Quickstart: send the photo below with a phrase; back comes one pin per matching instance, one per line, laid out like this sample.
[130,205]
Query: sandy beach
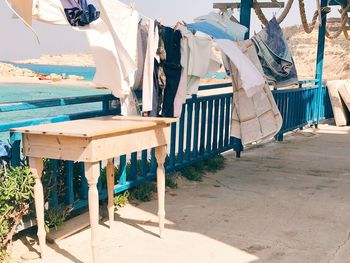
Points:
[12,74]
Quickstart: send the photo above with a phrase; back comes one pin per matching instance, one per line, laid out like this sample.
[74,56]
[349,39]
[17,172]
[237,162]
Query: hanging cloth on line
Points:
[275,56]
[197,59]
[254,118]
[224,22]
[80,13]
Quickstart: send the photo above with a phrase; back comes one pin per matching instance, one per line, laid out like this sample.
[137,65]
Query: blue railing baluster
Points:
[196,129]
[203,126]
[179,159]
[227,120]
[53,201]
[144,162]
[84,184]
[189,131]
[69,178]
[216,124]
[122,170]
[210,125]
[222,120]
[172,156]
[133,170]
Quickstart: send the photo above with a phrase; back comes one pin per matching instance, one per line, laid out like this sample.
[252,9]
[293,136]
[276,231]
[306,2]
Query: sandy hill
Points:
[304,48]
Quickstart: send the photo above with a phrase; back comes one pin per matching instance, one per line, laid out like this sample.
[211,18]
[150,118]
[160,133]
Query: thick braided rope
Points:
[259,13]
[344,21]
[308,28]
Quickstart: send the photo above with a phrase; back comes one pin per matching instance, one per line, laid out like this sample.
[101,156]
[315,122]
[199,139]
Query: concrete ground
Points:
[281,202]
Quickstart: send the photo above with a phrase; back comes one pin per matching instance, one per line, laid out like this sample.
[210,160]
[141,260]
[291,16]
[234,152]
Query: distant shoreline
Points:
[36,81]
[78,60]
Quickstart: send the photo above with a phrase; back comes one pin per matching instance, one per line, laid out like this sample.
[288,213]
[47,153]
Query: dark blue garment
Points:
[5,151]
[275,56]
[172,67]
[80,13]
[210,30]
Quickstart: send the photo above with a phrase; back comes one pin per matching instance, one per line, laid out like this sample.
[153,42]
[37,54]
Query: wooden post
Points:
[36,167]
[160,153]
[320,57]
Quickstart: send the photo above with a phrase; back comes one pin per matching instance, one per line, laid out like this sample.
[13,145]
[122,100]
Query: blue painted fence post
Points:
[320,57]
[15,141]
[245,17]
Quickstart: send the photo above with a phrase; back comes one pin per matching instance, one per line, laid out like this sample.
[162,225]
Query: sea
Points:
[10,93]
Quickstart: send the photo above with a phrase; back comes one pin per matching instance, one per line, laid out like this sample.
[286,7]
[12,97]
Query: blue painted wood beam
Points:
[338,2]
[320,54]
[245,15]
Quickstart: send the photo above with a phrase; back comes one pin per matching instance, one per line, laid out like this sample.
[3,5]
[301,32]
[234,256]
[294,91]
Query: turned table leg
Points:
[160,153]
[36,167]
[92,172]
[110,189]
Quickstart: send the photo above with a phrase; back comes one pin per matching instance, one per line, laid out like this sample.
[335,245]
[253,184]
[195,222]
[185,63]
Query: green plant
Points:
[144,192]
[215,164]
[55,217]
[16,195]
[122,199]
[170,181]
[195,172]
[192,174]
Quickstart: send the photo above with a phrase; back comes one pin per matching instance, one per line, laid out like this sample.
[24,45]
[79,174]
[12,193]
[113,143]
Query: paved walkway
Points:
[281,202]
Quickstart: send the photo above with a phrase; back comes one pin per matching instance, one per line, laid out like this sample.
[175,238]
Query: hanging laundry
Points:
[142,37]
[23,8]
[254,118]
[252,81]
[275,56]
[49,11]
[171,66]
[148,72]
[197,59]
[223,21]
[210,30]
[80,13]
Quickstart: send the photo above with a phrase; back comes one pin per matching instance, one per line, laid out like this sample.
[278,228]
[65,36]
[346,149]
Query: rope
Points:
[342,28]
[259,13]
[308,27]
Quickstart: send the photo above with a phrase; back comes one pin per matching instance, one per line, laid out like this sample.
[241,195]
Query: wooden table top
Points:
[93,127]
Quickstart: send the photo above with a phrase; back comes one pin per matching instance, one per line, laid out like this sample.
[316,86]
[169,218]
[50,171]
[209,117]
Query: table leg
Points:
[36,167]
[160,153]
[110,189]
[92,172]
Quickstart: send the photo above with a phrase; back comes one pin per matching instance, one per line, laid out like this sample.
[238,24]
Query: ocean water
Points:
[86,72]
[28,92]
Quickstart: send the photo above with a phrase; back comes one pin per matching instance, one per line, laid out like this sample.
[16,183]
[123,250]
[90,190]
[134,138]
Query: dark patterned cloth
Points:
[80,12]
[275,56]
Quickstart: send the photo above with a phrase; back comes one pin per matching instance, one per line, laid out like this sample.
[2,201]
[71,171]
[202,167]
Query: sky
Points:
[18,42]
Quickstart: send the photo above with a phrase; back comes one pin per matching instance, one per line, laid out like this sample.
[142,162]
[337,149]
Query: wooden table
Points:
[90,141]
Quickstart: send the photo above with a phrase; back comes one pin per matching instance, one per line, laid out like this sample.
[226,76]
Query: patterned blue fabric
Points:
[210,30]
[275,56]
[5,151]
[80,13]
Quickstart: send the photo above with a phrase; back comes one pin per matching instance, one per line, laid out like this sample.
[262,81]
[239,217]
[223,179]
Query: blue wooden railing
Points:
[202,131]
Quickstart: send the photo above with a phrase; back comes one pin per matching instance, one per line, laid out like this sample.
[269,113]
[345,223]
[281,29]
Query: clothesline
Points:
[167,63]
